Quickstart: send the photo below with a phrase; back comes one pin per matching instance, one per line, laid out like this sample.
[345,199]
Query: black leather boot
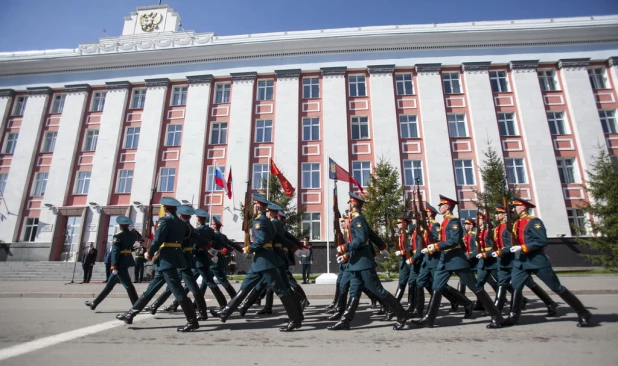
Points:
[171,308]
[395,306]
[335,300]
[200,302]
[232,305]
[419,303]
[189,310]
[492,283]
[496,318]
[549,303]
[128,316]
[583,315]
[304,302]
[411,299]
[91,305]
[460,299]
[447,293]
[347,317]
[268,306]
[229,289]
[515,312]
[293,312]
[382,310]
[152,308]
[340,307]
[432,311]
[461,287]
[500,298]
[216,292]
[244,307]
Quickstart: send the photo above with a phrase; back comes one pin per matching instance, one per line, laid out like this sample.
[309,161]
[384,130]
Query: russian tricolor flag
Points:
[220,181]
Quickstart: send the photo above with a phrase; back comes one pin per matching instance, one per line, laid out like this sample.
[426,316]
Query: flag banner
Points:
[338,173]
[285,184]
[229,184]
[219,180]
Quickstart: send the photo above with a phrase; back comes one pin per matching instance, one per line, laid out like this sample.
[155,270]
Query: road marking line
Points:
[38,344]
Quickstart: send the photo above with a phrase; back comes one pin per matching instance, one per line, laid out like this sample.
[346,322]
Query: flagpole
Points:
[268,180]
[211,192]
[328,224]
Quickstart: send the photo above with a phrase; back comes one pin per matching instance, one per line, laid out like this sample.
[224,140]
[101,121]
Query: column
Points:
[6,96]
[612,68]
[286,125]
[539,148]
[384,115]
[335,127]
[190,170]
[60,172]
[436,142]
[23,160]
[239,144]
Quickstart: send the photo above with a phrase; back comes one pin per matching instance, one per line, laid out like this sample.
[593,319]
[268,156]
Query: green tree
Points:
[603,208]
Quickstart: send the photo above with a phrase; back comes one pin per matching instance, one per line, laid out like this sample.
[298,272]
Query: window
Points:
[404,84]
[58,103]
[556,123]
[566,170]
[131,140]
[83,183]
[311,224]
[361,171]
[166,179]
[125,181]
[499,82]
[20,106]
[98,102]
[218,133]
[264,130]
[174,132]
[11,141]
[265,89]
[515,171]
[112,228]
[3,178]
[260,175]
[50,141]
[311,88]
[608,121]
[92,136]
[30,228]
[311,129]
[467,214]
[451,83]
[506,124]
[577,221]
[547,79]
[412,170]
[408,126]
[179,95]
[40,183]
[360,128]
[222,93]
[464,173]
[597,78]
[356,83]
[311,176]
[457,125]
[138,99]
[210,179]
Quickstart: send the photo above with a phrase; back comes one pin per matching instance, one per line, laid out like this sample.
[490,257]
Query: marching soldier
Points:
[223,245]
[470,243]
[416,295]
[404,252]
[487,265]
[338,305]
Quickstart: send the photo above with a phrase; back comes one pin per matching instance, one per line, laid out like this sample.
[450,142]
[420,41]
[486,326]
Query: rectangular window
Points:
[131,140]
[58,103]
[557,126]
[457,125]
[3,178]
[356,83]
[210,178]
[266,89]
[311,176]
[31,224]
[467,214]
[222,93]
[361,171]
[506,124]
[260,176]
[50,141]
[567,171]
[166,179]
[311,129]
[597,78]
[405,86]
[92,136]
[82,183]
[408,126]
[264,130]
[10,143]
[451,83]
[515,171]
[464,173]
[174,133]
[413,170]
[20,106]
[138,98]
[547,79]
[360,128]
[577,221]
[311,225]
[608,121]
[499,81]
[311,88]
[40,184]
[179,95]
[98,101]
[125,181]
[218,133]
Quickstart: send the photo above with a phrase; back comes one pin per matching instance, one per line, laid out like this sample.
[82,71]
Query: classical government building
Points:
[88,132]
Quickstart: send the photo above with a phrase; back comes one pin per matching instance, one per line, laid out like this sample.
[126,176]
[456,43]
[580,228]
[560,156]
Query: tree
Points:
[603,208]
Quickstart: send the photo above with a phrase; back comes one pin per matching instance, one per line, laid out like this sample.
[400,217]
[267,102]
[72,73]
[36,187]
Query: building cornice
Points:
[200,79]
[77,88]
[428,68]
[612,61]
[524,65]
[39,91]
[475,67]
[381,69]
[287,74]
[244,77]
[338,71]
[118,85]
[7,93]
[157,83]
[573,63]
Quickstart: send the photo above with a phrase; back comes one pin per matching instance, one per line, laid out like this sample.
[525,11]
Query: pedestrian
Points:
[139,250]
[88,259]
[108,261]
[306,259]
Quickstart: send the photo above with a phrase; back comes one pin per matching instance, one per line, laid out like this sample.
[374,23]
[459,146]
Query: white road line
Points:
[38,344]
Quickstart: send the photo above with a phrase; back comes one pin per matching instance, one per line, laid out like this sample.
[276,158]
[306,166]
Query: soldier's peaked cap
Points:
[518,201]
[258,198]
[123,220]
[402,218]
[169,201]
[470,222]
[500,209]
[430,208]
[274,207]
[216,221]
[185,210]
[202,213]
[282,214]
[447,201]
[356,197]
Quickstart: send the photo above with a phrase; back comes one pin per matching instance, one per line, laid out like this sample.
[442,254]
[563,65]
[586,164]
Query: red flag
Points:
[285,184]
[338,173]
[229,184]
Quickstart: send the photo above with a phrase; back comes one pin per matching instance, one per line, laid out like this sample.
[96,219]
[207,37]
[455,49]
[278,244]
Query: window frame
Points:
[95,139]
[264,129]
[99,96]
[499,79]
[504,123]
[167,134]
[413,169]
[553,120]
[457,125]
[29,236]
[265,88]
[359,124]
[223,92]
[608,123]
[310,87]
[308,219]
[574,218]
[45,147]
[133,137]
[602,77]
[212,129]
[127,179]
[39,185]
[86,183]
[3,179]
[210,178]
[403,82]
[408,125]
[362,170]
[8,140]
[60,109]
[159,183]
[561,164]
[356,83]
[463,168]
[265,170]
[311,171]
[142,98]
[450,82]
[183,91]
[310,128]
[544,78]
[19,107]
[515,168]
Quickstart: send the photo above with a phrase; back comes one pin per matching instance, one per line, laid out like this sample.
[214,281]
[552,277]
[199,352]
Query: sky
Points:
[50,24]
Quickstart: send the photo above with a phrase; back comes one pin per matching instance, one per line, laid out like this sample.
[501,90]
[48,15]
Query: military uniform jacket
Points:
[222,244]
[415,241]
[202,259]
[484,244]
[264,233]
[470,242]
[170,230]
[430,260]
[532,236]
[452,256]
[139,254]
[280,242]
[358,249]
[292,244]
[403,245]
[503,246]
[192,244]
[122,244]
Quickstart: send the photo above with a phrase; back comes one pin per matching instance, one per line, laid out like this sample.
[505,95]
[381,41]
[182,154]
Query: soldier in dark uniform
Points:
[171,232]
[416,295]
[470,250]
[223,245]
[121,259]
[530,259]
[487,265]
[140,260]
[306,259]
[404,252]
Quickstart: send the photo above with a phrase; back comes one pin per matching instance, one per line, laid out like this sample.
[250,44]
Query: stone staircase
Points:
[48,271]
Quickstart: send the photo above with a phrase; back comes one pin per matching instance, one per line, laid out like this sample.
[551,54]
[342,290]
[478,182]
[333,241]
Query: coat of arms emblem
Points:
[150,21]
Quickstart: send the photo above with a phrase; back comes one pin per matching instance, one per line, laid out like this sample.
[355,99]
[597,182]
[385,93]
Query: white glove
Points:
[213,252]
[215,259]
[479,256]
[425,251]
[398,252]
[385,253]
[516,249]
[340,259]
[431,247]
[338,250]
[115,271]
[494,254]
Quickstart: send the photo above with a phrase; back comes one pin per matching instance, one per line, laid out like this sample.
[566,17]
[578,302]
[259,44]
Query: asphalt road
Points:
[65,332]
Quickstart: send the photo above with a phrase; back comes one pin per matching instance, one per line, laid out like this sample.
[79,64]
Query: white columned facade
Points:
[286,126]
[6,97]
[384,119]
[239,144]
[550,206]
[16,192]
[437,148]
